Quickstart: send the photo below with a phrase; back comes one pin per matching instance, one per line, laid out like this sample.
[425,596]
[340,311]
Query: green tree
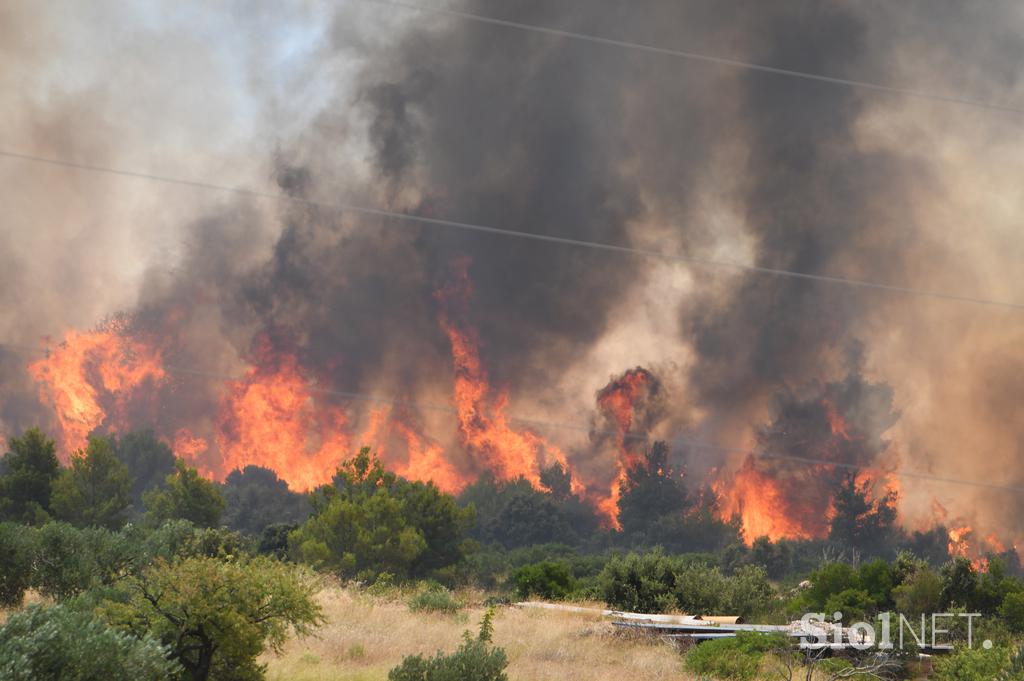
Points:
[17,551]
[370,521]
[94,490]
[255,498]
[57,643]
[1012,611]
[861,522]
[959,583]
[853,604]
[187,496]
[149,462]
[217,616]
[827,581]
[921,593]
[30,467]
[650,491]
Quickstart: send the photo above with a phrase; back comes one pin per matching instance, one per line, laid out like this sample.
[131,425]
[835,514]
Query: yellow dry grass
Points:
[367,635]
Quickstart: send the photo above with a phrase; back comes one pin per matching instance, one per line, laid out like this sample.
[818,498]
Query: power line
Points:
[696,56]
[579,427]
[499,231]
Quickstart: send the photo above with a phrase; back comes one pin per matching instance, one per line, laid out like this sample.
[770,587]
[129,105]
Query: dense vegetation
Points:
[150,570]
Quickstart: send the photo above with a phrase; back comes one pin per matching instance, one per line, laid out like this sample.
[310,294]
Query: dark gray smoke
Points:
[484,124]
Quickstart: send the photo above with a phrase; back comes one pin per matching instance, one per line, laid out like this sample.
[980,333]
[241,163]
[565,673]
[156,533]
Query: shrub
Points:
[16,550]
[852,603]
[56,643]
[920,593]
[218,615]
[1012,610]
[370,521]
[737,658]
[640,582]
[434,599]
[474,660]
[972,664]
[65,562]
[548,579]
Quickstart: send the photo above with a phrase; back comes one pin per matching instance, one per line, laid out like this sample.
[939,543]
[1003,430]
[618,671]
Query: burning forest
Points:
[287,334]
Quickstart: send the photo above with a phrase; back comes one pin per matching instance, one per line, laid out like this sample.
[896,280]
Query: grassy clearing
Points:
[366,635]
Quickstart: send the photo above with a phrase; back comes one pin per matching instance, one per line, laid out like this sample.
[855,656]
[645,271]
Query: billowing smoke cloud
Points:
[484,124]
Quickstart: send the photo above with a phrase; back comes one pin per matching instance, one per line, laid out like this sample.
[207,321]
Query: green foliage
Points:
[514,514]
[853,604]
[59,644]
[973,664]
[149,462]
[371,521]
[654,582]
[68,560]
[827,581]
[737,658]
[17,552]
[640,582]
[860,521]
[650,491]
[877,578]
[1012,611]
[94,490]
[701,589]
[550,580]
[30,467]
[775,557]
[217,616]
[474,660]
[434,598]
[920,593]
[187,496]
[255,498]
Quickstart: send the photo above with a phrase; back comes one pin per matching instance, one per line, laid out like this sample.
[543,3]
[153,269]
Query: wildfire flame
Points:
[618,402]
[271,418]
[483,425]
[89,378]
[963,543]
[425,459]
[765,506]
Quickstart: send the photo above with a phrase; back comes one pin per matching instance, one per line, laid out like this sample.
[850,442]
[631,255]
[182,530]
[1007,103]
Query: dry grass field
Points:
[367,635]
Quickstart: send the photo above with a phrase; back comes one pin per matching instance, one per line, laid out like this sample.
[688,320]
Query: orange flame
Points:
[963,544]
[483,424]
[617,402]
[270,418]
[765,506]
[425,459]
[89,378]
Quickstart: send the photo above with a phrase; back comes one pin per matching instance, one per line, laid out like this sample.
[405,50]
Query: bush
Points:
[548,579]
[973,664]
[1012,610]
[640,582]
[16,552]
[58,644]
[852,603]
[736,658]
[474,660]
[434,599]
[655,582]
[218,615]
[370,521]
